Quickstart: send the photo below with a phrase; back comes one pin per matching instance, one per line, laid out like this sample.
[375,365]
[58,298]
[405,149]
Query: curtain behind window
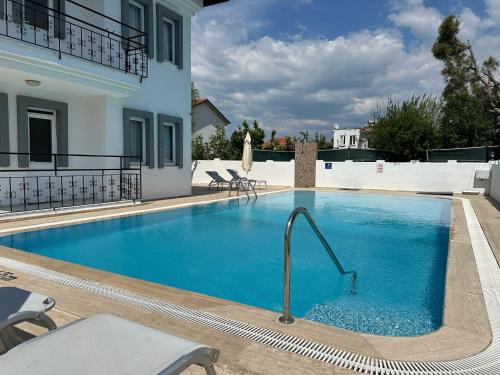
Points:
[136,141]
[169,144]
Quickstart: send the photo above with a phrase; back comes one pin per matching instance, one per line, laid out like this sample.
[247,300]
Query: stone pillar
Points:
[305,164]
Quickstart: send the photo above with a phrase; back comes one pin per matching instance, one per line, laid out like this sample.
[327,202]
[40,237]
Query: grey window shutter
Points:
[22,132]
[161,142]
[2,9]
[4,129]
[126,137]
[179,138]
[150,142]
[60,20]
[62,134]
[17,12]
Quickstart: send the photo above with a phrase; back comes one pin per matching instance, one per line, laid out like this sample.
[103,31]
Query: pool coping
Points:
[293,330]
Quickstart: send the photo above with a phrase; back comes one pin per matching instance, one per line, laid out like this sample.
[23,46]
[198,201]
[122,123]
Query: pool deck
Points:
[465,331]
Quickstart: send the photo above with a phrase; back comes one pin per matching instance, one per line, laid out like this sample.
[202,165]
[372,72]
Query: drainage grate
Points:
[487,362]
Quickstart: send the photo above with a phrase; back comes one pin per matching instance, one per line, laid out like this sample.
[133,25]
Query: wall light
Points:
[33,82]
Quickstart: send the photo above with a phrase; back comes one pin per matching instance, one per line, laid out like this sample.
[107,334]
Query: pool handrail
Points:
[287,318]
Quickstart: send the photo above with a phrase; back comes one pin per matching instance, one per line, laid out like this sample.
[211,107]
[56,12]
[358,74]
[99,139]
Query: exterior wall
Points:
[205,121]
[495,182]
[347,133]
[205,132]
[423,177]
[305,164]
[96,96]
[275,173]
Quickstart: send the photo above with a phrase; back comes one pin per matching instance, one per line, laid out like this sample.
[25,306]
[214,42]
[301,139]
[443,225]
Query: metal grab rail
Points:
[287,318]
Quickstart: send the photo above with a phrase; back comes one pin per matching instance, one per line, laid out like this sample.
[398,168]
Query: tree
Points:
[218,145]
[303,136]
[273,143]
[323,144]
[407,128]
[195,93]
[199,148]
[238,137]
[472,92]
[289,145]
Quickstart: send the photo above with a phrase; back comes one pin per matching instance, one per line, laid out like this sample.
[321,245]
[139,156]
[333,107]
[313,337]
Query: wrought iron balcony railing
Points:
[103,40]
[66,180]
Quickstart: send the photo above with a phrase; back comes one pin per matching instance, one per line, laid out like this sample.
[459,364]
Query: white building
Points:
[206,118]
[97,77]
[346,138]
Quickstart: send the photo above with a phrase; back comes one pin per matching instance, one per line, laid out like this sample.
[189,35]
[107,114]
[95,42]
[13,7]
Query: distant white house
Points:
[350,138]
[346,138]
[206,117]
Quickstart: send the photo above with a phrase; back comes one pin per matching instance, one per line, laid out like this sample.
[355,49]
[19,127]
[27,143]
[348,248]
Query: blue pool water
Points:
[234,250]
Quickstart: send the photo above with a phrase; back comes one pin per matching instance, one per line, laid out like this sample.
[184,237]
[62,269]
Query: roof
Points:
[281,141]
[200,101]
[207,3]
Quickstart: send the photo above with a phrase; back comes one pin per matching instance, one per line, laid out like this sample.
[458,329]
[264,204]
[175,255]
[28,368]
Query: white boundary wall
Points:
[495,182]
[414,176]
[274,172]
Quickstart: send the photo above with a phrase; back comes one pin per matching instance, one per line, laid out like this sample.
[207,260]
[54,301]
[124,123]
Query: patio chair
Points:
[217,180]
[242,184]
[19,306]
[236,177]
[107,345]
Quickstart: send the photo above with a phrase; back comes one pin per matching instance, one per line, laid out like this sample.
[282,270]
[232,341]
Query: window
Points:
[138,138]
[42,136]
[169,36]
[342,140]
[170,146]
[136,19]
[169,40]
[138,14]
[352,140]
[168,143]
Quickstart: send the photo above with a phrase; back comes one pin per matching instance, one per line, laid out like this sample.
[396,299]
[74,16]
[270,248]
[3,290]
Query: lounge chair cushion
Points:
[15,300]
[102,344]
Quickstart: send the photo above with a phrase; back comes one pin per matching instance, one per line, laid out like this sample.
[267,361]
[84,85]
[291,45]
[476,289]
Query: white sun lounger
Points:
[107,345]
[18,306]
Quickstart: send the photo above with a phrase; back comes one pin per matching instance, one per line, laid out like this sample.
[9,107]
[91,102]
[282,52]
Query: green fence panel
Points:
[264,155]
[354,154]
[333,155]
[462,154]
[478,154]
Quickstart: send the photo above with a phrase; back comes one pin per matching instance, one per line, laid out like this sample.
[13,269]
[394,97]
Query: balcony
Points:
[55,181]
[91,36]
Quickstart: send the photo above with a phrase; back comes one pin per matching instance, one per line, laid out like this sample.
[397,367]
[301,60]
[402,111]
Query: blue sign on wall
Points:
[328,165]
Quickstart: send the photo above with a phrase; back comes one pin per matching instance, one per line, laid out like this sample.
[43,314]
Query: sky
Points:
[310,64]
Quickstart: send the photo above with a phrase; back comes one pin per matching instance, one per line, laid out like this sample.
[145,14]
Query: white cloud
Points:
[421,20]
[291,84]
[493,9]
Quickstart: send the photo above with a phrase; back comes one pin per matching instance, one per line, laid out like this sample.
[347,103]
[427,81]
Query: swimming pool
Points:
[398,246]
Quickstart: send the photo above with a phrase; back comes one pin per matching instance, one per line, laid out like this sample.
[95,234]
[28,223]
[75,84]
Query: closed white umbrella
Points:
[247,161]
